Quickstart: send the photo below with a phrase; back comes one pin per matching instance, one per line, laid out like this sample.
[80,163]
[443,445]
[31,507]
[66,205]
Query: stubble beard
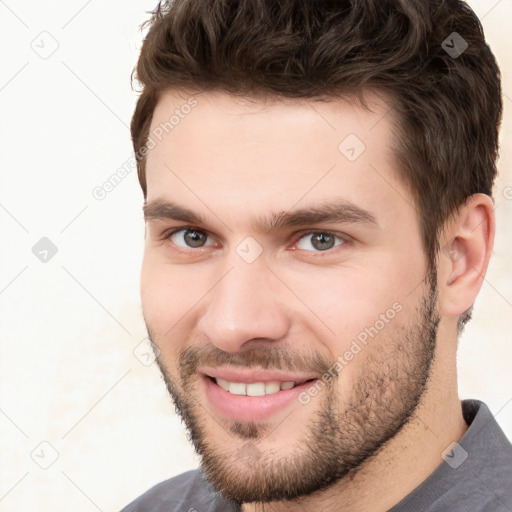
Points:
[341,434]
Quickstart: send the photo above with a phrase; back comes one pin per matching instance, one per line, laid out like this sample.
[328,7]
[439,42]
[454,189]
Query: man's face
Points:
[283,260]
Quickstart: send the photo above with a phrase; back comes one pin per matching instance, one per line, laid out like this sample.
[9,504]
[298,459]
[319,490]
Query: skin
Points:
[395,403]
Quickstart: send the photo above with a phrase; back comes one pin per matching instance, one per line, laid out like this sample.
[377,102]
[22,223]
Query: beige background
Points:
[69,377]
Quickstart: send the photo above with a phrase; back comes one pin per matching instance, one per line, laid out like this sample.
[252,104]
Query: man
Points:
[319,220]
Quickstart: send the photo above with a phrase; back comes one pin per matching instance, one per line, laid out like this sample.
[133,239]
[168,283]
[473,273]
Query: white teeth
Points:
[272,387]
[255,388]
[237,388]
[224,384]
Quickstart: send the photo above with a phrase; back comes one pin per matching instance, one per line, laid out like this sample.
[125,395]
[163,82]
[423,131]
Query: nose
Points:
[245,309]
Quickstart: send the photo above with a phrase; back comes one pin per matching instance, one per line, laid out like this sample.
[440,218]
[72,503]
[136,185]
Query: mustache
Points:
[274,358]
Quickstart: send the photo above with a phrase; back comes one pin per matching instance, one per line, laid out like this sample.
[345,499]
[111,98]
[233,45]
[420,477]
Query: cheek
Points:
[171,296]
[163,294]
[346,306]
[350,300]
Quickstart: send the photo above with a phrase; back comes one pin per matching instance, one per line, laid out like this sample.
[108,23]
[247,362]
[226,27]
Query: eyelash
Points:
[344,238]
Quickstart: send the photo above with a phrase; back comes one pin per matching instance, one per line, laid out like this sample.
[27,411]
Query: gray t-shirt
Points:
[475,476]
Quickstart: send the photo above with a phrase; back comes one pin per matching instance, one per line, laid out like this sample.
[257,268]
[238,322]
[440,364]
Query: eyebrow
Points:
[334,211]
[160,210]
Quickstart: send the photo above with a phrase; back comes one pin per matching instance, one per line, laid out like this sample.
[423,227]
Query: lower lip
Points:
[251,408]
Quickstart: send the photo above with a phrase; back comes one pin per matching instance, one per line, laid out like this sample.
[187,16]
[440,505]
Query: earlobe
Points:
[465,256]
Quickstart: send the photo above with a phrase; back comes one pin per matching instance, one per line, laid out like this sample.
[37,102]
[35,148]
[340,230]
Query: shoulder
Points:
[188,492]
[476,475]
[488,460]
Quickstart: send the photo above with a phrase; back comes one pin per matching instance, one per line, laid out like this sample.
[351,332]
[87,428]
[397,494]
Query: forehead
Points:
[216,109]
[272,152]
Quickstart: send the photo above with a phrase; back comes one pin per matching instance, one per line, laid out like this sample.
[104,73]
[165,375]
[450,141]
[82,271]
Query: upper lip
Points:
[259,375]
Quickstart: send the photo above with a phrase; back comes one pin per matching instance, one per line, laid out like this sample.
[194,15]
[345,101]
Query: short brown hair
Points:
[429,58]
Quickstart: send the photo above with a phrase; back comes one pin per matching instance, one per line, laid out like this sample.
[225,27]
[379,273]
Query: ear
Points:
[466,249]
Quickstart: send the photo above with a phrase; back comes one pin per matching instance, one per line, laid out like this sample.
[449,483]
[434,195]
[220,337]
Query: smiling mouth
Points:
[256,388]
